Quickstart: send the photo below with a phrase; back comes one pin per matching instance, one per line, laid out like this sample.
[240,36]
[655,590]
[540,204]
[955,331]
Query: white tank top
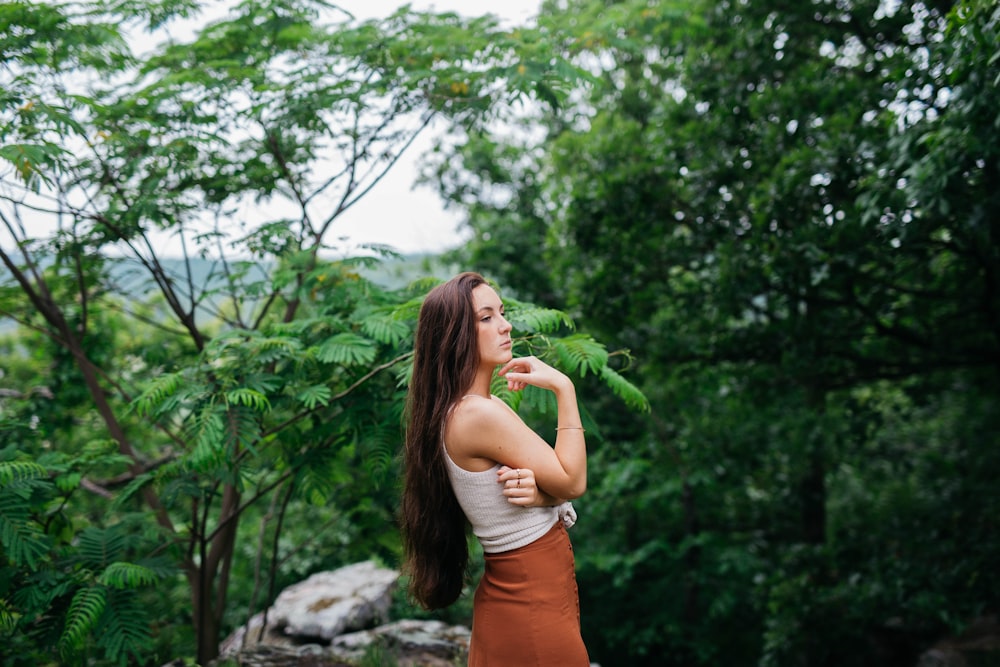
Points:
[499,525]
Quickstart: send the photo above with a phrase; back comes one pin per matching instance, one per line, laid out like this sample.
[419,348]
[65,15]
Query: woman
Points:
[470,459]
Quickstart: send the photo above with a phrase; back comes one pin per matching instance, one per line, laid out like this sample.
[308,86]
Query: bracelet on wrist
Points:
[571,428]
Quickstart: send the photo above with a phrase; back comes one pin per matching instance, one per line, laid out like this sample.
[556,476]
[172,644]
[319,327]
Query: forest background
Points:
[762,236]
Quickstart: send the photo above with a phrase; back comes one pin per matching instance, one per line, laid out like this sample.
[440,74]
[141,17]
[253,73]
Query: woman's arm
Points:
[570,447]
[488,431]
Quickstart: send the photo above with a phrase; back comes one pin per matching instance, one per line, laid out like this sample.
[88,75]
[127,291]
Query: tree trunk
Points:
[209,580]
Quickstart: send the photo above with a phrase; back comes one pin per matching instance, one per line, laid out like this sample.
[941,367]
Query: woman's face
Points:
[493,329]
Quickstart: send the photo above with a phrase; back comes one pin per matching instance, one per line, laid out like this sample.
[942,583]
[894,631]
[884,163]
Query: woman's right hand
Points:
[520,488]
[523,371]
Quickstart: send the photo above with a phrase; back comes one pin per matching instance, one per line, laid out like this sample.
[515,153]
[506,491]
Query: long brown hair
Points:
[445,359]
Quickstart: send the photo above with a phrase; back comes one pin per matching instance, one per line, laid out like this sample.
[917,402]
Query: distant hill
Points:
[395,273]
[390,273]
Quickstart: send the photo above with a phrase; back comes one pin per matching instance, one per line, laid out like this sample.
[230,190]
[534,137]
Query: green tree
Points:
[269,367]
[780,210]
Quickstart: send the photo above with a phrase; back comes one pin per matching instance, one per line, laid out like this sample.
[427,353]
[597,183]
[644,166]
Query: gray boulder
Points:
[324,606]
[340,619]
[410,642]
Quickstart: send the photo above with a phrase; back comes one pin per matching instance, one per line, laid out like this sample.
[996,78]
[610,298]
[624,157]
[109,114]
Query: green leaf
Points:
[27,158]
[380,446]
[18,471]
[132,488]
[315,395]
[208,432]
[149,401]
[581,353]
[23,539]
[248,397]
[347,349]
[99,547]
[385,328]
[122,575]
[84,612]
[124,630]
[8,617]
[533,319]
[624,389]
[68,482]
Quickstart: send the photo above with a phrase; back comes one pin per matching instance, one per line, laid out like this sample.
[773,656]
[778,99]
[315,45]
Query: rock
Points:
[403,644]
[316,610]
[410,642]
[310,655]
[330,620]
[978,644]
[329,603]
[941,657]
[249,636]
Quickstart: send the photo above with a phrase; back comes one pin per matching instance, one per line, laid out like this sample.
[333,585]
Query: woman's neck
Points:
[481,385]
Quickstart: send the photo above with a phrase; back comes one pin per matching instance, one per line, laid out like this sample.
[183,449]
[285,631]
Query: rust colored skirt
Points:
[526,611]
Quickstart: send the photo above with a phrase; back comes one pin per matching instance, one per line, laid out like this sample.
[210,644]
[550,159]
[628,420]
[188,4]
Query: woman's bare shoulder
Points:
[477,429]
[481,407]
[476,413]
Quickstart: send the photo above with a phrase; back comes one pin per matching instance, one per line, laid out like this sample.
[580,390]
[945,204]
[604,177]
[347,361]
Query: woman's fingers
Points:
[516,477]
[518,365]
[517,372]
[519,485]
[523,371]
[518,369]
[514,371]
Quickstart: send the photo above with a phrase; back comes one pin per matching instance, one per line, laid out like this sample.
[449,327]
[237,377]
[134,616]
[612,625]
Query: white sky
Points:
[395,213]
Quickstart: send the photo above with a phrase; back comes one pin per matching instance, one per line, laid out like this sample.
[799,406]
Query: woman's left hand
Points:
[519,486]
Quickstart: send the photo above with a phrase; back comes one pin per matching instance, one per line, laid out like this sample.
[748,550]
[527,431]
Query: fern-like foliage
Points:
[123,576]
[379,445]
[347,349]
[8,617]
[23,540]
[132,488]
[97,548]
[234,345]
[408,311]
[179,484]
[385,327]
[248,397]
[19,471]
[153,401]
[624,389]
[317,394]
[541,401]
[318,472]
[403,373]
[207,431]
[581,353]
[63,589]
[534,319]
[84,613]
[123,632]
